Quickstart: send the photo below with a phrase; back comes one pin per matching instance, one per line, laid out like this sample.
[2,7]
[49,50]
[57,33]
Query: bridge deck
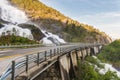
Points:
[25,59]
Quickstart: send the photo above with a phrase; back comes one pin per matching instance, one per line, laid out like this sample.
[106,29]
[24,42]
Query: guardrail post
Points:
[45,55]
[27,63]
[60,49]
[13,70]
[38,57]
[54,52]
[50,53]
[57,50]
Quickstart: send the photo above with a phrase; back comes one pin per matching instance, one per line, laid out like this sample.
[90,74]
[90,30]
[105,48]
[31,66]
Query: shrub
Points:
[11,39]
[111,53]
[87,72]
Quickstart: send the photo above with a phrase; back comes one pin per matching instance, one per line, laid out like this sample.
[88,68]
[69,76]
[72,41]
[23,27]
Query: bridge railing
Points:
[20,46]
[24,63]
[36,45]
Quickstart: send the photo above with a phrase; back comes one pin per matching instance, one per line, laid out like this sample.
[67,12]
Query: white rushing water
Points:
[15,16]
[11,14]
[10,29]
[51,38]
[107,67]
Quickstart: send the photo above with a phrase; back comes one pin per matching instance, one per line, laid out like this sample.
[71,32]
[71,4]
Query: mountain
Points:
[47,24]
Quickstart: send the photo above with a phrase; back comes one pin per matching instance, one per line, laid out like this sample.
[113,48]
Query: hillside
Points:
[44,24]
[53,21]
[92,69]
[111,54]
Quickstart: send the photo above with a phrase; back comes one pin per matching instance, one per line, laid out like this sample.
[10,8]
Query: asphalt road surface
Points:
[6,56]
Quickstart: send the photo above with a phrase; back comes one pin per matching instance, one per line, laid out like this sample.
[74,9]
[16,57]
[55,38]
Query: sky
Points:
[102,14]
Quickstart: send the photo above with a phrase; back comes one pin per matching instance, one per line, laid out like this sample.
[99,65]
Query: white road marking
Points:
[1,54]
[5,51]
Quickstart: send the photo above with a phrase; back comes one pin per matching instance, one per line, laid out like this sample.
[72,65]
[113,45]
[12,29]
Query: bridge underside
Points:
[52,73]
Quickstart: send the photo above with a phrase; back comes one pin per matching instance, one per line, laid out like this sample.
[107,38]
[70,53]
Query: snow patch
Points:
[11,14]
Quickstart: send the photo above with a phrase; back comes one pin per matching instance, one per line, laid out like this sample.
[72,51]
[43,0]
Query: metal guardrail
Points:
[20,46]
[28,45]
[24,63]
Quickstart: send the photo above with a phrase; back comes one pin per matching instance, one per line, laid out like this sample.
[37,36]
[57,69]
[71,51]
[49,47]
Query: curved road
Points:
[6,56]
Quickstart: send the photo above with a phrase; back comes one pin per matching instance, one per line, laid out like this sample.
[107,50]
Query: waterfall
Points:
[11,14]
[13,17]
[16,30]
[51,38]
[107,67]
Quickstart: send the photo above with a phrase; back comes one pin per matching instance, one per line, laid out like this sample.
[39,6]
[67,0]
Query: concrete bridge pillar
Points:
[92,51]
[73,58]
[64,63]
[95,50]
[79,54]
[68,65]
[99,48]
[84,53]
[88,51]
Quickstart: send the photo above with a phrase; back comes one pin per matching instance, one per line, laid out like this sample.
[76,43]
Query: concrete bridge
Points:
[58,63]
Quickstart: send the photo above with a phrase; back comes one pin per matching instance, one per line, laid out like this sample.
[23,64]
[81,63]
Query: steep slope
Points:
[14,21]
[51,20]
[111,54]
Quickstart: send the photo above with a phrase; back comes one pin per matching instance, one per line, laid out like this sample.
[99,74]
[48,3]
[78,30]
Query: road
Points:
[6,56]
[11,53]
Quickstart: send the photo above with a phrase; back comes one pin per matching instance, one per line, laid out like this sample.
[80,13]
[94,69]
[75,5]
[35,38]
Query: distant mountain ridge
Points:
[53,21]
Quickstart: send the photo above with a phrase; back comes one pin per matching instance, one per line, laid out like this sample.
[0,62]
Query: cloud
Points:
[108,22]
[102,14]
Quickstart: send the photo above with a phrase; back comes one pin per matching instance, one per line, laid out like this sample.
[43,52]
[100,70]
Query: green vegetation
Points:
[37,10]
[55,22]
[111,53]
[94,61]
[1,25]
[15,40]
[87,72]
[80,34]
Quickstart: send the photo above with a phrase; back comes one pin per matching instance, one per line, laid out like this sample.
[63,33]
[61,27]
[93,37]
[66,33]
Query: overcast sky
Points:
[102,14]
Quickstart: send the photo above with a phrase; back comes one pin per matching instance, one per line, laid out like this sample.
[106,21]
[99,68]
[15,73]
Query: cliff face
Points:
[53,21]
